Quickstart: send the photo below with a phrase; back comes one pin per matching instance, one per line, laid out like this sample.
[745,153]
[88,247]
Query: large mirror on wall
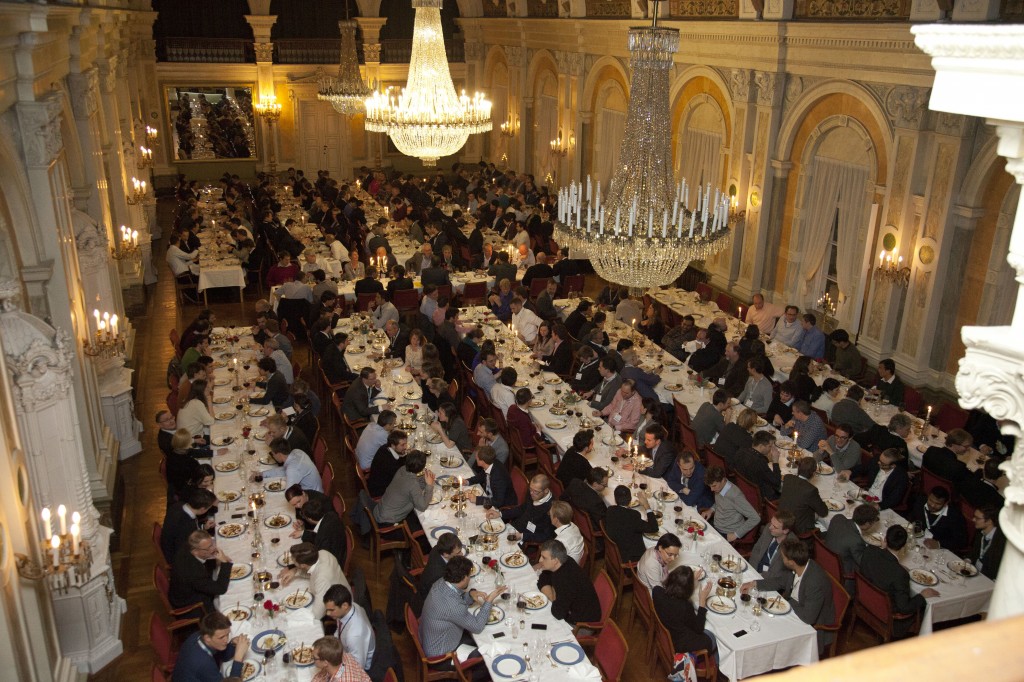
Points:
[209,123]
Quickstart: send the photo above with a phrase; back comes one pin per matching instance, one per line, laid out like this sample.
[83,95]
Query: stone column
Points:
[975,67]
[741,144]
[40,364]
[571,66]
[265,87]
[526,139]
[475,55]
[370,27]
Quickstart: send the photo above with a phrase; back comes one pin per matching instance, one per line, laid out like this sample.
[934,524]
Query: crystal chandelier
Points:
[427,119]
[643,235]
[346,92]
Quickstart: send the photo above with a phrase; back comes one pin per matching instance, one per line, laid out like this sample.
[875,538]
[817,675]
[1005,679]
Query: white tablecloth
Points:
[218,276]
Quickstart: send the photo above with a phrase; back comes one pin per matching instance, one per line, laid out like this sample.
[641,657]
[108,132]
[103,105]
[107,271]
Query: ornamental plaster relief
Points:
[905,105]
[739,84]
[941,184]
[39,129]
[83,89]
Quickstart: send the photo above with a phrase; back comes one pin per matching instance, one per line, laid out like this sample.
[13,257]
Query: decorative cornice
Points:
[975,42]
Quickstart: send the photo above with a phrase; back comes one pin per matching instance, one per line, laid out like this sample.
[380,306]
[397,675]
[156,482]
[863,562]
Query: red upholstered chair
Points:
[383,538]
[713,459]
[912,400]
[474,293]
[841,599]
[428,664]
[874,608]
[320,454]
[159,676]
[390,676]
[828,559]
[606,594]
[163,584]
[406,301]
[706,668]
[572,283]
[620,572]
[929,480]
[363,302]
[339,505]
[327,479]
[162,637]
[687,437]
[519,483]
[537,286]
[610,654]
[350,549]
[751,491]
[950,416]
[705,291]
[682,412]
[644,611]
[157,534]
[469,415]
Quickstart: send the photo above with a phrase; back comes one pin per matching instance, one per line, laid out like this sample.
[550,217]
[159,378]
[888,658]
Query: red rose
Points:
[268,605]
[700,533]
[493,564]
[277,607]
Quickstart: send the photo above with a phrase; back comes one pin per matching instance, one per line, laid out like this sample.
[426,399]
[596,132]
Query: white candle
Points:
[74,538]
[62,514]
[929,417]
[96,314]
[741,312]
[47,529]
[796,436]
[76,518]
[135,237]
[55,549]
[113,326]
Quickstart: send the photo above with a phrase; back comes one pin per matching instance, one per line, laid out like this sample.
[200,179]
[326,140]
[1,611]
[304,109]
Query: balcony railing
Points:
[205,50]
[399,51]
[288,51]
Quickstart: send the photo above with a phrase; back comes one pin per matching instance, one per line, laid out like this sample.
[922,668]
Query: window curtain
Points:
[547,129]
[854,208]
[701,154]
[611,128]
[833,185]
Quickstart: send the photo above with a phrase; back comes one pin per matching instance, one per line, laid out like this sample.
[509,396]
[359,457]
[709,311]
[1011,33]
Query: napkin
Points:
[493,648]
[433,517]
[464,652]
[584,670]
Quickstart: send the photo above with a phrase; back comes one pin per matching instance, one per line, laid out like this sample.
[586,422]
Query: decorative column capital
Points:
[769,87]
[739,85]
[905,105]
[261,25]
[264,52]
[84,90]
[39,129]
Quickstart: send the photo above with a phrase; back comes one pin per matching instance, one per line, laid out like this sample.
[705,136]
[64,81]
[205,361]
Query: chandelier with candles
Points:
[643,234]
[427,119]
[347,92]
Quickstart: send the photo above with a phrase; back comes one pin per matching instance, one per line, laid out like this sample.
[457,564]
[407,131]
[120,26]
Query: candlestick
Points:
[62,512]
[47,529]
[55,549]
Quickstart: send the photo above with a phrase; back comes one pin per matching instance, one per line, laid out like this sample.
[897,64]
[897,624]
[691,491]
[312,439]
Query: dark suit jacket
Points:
[993,557]
[576,600]
[731,439]
[526,513]
[755,468]
[626,527]
[777,577]
[645,381]
[801,498]
[194,664]
[500,271]
[331,536]
[368,285]
[177,527]
[320,341]
[700,495]
[980,493]
[884,571]
[399,343]
[336,366]
[586,499]
[735,376]
[275,392]
[664,458]
[560,361]
[572,465]
[815,605]
[432,572]
[878,436]
[382,471]
[777,407]
[586,378]
[942,462]
[299,440]
[684,623]
[192,581]
[503,493]
[950,531]
[844,538]
[895,487]
[398,285]
[358,403]
[435,276]
[893,392]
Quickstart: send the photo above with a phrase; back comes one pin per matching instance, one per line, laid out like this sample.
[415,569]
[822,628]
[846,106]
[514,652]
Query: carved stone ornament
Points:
[83,88]
[739,84]
[569,63]
[794,88]
[108,74]
[906,105]
[474,50]
[264,52]
[39,357]
[513,54]
[371,52]
[39,124]
[767,87]
[90,241]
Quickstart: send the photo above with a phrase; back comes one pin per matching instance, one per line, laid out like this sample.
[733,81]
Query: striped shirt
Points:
[445,616]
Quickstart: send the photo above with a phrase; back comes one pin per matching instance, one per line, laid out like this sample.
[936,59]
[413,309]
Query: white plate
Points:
[723,606]
[777,606]
[924,577]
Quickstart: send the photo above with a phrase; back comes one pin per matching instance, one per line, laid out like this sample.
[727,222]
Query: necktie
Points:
[766,560]
[488,484]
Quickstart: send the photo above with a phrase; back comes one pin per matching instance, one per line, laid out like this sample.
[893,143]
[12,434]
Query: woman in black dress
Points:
[674,607]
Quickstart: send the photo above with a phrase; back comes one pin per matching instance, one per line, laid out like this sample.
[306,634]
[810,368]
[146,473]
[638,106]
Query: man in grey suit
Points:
[446,621]
[734,516]
[766,558]
[611,382]
[810,593]
[846,538]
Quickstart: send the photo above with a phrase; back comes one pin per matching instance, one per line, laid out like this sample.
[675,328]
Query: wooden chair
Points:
[607,595]
[327,479]
[156,536]
[681,411]
[158,676]
[643,610]
[164,639]
[453,389]
[350,549]
[361,475]
[950,416]
[320,454]
[619,571]
[687,437]
[474,293]
[175,338]
[841,599]
[537,286]
[713,459]
[705,291]
[545,462]
[930,480]
[382,539]
[417,558]
[874,608]
[363,302]
[428,664]
[390,676]
[726,304]
[611,652]
[968,509]
[469,415]
[828,559]
[572,283]
[912,400]
[407,301]
[665,654]
[519,483]
[163,585]
[752,492]
[519,455]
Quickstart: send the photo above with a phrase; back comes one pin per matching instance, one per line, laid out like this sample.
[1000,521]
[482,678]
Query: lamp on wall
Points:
[138,193]
[109,341]
[510,127]
[890,266]
[68,557]
[145,157]
[560,146]
[126,249]
[151,135]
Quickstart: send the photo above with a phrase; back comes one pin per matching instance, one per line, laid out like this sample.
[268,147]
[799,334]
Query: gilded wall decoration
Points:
[944,158]
[853,9]
[609,8]
[703,8]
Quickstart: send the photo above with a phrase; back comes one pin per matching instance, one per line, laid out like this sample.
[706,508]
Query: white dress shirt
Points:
[570,536]
[526,323]
[357,636]
[324,573]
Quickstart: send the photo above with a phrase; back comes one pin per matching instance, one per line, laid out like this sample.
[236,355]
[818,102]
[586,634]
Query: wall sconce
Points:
[151,135]
[891,268]
[145,157]
[268,108]
[109,340]
[560,146]
[510,127]
[70,558]
[138,193]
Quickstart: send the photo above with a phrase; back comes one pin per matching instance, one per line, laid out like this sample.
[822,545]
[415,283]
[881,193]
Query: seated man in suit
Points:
[983,491]
[204,652]
[323,527]
[734,515]
[358,402]
[335,364]
[989,542]
[559,360]
[585,495]
[801,497]
[369,284]
[885,478]
[446,621]
[845,537]
[892,436]
[531,518]
[943,524]
[780,410]
[711,417]
[809,589]
[759,464]
[566,585]
[686,478]
[354,628]
[889,386]
[575,462]
[943,460]
[881,567]
[626,526]
[184,518]
[660,449]
[387,462]
[493,477]
[448,545]
[765,555]
[200,573]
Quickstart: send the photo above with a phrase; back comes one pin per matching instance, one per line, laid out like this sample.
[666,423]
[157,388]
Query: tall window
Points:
[831,277]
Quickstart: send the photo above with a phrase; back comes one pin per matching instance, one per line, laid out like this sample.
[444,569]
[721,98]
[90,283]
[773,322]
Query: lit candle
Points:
[62,514]
[741,312]
[96,314]
[76,518]
[55,548]
[47,530]
[929,417]
[74,538]
[796,437]
[135,237]
[113,326]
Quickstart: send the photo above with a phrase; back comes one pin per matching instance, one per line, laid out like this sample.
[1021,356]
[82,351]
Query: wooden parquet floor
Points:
[145,498]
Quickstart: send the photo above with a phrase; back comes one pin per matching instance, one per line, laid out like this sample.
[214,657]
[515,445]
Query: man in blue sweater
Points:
[203,653]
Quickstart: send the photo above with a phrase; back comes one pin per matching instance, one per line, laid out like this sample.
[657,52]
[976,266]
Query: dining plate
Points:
[522,383]
[277,521]
[238,613]
[259,412]
[557,424]
[514,560]
[262,436]
[437,495]
[538,402]
[825,469]
[225,416]
[268,640]
[221,382]
[733,564]
[250,670]
[228,495]
[302,656]
[666,496]
[567,653]
[225,467]
[224,440]
[451,461]
[761,421]
[403,380]
[298,600]
[834,505]
[494,526]
[285,560]
[612,439]
[723,606]
[924,577]
[777,606]
[240,571]
[496,615]
[275,486]
[230,530]
[553,380]
[699,524]
[653,536]
[698,572]
[674,387]
[441,530]
[534,600]
[221,400]
[433,439]
[964,568]
[508,666]
[874,539]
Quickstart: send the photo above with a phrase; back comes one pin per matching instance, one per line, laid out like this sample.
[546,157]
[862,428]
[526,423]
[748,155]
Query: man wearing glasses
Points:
[840,448]
[888,482]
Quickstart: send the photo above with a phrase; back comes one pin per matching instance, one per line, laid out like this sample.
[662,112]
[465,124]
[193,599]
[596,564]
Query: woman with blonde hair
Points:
[354,268]
[414,353]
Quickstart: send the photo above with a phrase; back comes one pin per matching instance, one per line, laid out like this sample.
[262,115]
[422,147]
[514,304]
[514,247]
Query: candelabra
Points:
[151,135]
[70,560]
[510,127]
[268,108]
[827,307]
[138,193]
[108,341]
[891,269]
[145,157]
[560,146]
[128,247]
